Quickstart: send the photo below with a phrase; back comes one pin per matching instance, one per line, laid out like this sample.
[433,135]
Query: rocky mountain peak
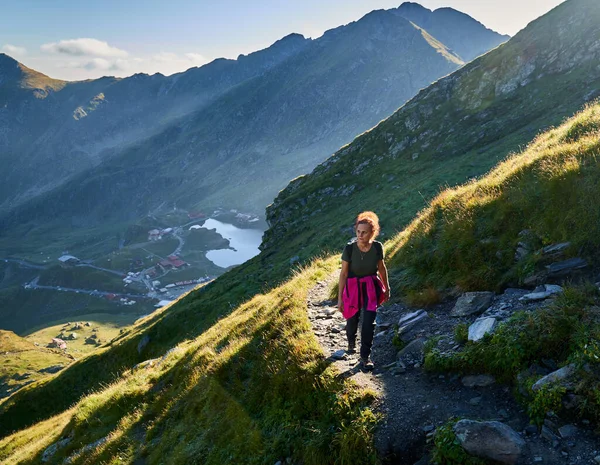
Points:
[9,69]
[453,28]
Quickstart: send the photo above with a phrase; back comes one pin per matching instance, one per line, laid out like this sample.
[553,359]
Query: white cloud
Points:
[72,67]
[14,50]
[84,47]
[196,57]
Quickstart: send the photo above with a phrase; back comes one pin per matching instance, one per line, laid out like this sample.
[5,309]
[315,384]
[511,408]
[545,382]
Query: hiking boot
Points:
[351,348]
[366,363]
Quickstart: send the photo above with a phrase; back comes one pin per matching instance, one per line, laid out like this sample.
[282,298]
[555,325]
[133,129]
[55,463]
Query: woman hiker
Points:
[362,290]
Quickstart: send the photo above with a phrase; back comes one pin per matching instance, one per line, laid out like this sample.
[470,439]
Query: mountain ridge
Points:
[369,46]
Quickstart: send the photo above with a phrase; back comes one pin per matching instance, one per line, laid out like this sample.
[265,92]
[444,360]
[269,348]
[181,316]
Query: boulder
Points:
[567,431]
[556,248]
[51,450]
[558,376]
[409,325]
[480,328]
[566,267]
[542,292]
[472,303]
[490,440]
[413,352]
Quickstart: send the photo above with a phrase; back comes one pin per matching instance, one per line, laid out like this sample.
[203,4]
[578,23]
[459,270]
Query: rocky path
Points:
[414,402]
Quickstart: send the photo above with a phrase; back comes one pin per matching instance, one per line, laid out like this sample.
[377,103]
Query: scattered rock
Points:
[547,434]
[566,267]
[542,293]
[475,401]
[567,431]
[480,328]
[531,429]
[413,352]
[339,355]
[145,364]
[410,323]
[52,369]
[478,381]
[88,323]
[556,376]
[489,440]
[143,343]
[472,303]
[51,450]
[556,248]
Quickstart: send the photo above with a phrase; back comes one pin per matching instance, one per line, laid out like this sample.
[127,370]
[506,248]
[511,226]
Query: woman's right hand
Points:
[340,306]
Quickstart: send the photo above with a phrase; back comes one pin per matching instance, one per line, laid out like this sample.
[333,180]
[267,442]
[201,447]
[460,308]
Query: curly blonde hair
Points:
[371,219]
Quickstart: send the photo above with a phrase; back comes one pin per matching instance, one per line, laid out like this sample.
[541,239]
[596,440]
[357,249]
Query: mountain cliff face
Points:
[451,131]
[261,132]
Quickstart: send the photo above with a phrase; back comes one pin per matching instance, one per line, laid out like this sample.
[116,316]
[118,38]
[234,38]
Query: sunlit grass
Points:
[253,386]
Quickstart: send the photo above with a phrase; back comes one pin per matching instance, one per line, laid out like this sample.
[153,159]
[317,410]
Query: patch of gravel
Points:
[413,402]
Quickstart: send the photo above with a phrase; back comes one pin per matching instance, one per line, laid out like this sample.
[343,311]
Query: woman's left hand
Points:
[387,293]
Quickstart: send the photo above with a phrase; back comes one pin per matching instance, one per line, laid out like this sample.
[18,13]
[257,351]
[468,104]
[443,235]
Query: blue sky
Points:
[81,39]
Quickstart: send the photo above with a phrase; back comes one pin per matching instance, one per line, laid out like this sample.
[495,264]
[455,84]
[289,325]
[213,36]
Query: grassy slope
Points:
[206,402]
[20,356]
[468,235]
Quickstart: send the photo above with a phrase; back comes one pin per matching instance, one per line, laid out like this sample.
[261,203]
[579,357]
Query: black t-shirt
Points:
[363,263]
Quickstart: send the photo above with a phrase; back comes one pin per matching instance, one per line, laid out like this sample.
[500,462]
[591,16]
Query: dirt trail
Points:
[414,402]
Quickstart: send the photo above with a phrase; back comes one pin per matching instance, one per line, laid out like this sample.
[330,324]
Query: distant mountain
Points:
[461,33]
[240,149]
[454,130]
[51,130]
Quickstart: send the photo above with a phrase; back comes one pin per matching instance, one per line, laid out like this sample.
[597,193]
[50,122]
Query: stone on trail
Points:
[480,328]
[472,303]
[409,324]
[489,440]
[478,381]
[339,354]
[556,376]
[567,431]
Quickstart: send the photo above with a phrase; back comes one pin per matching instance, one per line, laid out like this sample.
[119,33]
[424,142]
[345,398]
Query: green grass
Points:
[19,356]
[207,402]
[106,326]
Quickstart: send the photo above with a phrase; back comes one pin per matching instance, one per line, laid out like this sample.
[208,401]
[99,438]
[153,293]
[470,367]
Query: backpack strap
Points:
[379,249]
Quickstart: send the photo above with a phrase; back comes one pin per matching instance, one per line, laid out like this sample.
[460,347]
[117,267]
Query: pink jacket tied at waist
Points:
[352,294]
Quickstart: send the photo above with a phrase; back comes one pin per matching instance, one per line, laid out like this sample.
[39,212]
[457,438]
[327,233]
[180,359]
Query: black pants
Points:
[367,329]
